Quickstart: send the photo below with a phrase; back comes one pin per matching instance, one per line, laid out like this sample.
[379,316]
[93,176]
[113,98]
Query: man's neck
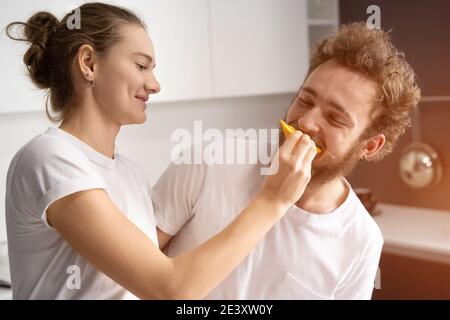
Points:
[323,198]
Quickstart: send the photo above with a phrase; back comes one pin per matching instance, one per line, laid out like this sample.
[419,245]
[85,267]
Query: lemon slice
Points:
[288,130]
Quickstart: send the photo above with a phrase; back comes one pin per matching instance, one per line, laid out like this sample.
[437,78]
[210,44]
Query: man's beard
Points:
[329,167]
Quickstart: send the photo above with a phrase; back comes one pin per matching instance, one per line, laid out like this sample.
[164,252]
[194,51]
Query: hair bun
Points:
[39,26]
[37,31]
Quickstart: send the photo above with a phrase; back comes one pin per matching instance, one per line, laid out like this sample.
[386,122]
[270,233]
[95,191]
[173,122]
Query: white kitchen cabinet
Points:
[258,46]
[178,28]
[17,91]
[180,35]
[204,48]
[323,20]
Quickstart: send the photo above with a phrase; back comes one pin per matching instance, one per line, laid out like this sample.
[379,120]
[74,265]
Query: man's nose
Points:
[309,121]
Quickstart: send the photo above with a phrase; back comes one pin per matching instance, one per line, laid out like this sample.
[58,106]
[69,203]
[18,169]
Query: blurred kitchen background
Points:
[238,64]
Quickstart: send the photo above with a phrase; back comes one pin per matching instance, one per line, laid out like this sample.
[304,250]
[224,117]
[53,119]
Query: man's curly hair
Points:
[371,52]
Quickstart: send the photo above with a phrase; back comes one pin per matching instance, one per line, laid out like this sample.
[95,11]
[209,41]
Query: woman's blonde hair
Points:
[371,52]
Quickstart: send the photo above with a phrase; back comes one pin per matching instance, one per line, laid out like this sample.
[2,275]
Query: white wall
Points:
[149,144]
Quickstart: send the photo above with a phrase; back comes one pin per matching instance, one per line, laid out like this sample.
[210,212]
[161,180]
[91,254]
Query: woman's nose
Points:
[152,85]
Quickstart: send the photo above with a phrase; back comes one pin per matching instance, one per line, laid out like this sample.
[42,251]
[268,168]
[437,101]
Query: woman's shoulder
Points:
[44,147]
[45,151]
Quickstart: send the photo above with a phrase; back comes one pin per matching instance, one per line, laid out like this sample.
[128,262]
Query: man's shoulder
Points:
[364,225]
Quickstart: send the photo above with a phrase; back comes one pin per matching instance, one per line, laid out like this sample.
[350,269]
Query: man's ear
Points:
[373,145]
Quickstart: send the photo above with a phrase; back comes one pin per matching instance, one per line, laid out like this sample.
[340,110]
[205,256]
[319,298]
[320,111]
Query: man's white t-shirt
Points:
[53,165]
[303,256]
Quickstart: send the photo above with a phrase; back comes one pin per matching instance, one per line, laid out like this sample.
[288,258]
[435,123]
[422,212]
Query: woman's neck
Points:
[91,127]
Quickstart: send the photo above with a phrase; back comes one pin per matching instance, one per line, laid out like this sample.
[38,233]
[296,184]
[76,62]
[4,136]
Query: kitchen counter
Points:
[415,232]
[5,293]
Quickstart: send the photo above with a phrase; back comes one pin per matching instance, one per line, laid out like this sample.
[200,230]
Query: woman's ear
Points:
[373,145]
[86,61]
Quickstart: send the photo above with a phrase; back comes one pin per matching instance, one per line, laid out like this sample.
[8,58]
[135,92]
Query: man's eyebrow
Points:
[341,109]
[332,103]
[309,90]
[148,57]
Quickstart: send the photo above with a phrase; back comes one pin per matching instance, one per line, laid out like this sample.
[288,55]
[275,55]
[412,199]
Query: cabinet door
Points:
[258,46]
[179,32]
[17,91]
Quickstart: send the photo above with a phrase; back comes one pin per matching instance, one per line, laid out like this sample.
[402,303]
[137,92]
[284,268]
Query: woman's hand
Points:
[291,171]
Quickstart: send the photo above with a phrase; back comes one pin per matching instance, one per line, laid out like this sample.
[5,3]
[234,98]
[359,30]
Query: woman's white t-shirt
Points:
[51,166]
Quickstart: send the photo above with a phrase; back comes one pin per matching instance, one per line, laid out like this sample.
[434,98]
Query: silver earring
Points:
[90,81]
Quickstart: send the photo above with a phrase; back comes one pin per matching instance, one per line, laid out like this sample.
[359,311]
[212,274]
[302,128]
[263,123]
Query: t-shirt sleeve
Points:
[360,282]
[176,194]
[48,170]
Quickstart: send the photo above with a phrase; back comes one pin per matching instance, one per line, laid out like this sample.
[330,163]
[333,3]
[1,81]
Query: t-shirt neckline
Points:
[338,213]
[92,154]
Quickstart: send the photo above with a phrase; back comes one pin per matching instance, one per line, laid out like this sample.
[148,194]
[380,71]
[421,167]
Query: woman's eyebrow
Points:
[148,57]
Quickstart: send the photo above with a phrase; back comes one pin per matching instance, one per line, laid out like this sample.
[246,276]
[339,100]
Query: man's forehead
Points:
[333,82]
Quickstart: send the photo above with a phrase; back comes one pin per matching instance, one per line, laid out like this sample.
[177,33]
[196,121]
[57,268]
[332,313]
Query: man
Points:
[357,99]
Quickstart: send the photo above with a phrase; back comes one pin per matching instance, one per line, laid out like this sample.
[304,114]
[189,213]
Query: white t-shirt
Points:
[49,167]
[304,256]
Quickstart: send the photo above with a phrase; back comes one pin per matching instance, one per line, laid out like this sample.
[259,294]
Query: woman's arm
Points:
[163,238]
[91,223]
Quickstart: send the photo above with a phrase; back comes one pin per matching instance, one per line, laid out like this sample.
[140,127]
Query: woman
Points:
[76,208]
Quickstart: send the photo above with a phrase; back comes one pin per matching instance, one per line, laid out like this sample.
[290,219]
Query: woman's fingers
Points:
[310,154]
[289,144]
[301,148]
[293,169]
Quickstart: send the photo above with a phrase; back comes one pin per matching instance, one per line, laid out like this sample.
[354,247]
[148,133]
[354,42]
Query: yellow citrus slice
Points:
[288,130]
